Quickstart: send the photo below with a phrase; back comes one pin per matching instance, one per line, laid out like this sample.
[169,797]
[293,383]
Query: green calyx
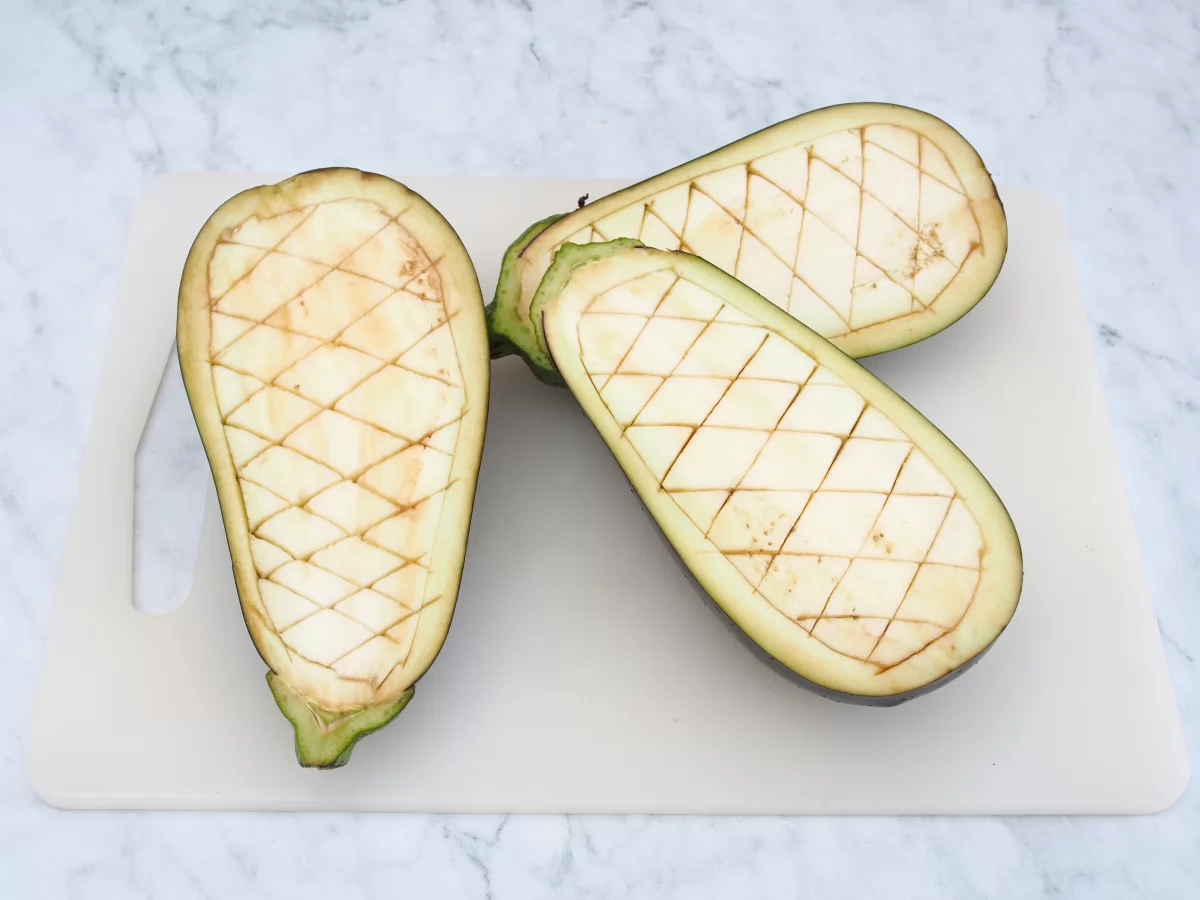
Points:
[567,259]
[507,334]
[325,740]
[527,337]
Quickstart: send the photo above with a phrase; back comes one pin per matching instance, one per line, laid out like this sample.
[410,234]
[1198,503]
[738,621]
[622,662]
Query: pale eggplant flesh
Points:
[839,530]
[335,356]
[875,225]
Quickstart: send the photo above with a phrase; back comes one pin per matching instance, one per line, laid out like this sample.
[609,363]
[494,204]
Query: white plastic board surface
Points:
[584,672]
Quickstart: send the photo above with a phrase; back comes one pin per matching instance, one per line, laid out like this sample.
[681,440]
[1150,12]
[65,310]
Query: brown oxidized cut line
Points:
[856,228]
[337,377]
[819,500]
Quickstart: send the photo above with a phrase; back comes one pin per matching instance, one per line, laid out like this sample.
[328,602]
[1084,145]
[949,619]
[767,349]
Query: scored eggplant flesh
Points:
[848,537]
[875,225]
[334,352]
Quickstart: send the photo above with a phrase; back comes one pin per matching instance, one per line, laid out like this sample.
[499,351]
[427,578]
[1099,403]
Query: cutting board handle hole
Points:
[170,479]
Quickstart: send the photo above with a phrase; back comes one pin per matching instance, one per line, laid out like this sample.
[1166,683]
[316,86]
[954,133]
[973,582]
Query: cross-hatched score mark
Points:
[316,315]
[853,229]
[818,499]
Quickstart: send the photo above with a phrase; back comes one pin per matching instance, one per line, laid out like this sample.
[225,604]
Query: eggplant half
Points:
[334,351]
[843,533]
[875,225]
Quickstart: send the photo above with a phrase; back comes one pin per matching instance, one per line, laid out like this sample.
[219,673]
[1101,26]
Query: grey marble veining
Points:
[1097,103]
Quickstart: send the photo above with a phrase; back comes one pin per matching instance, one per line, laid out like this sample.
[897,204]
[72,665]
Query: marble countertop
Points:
[1095,103]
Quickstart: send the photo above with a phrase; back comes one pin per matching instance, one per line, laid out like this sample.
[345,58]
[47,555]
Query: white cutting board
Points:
[584,672]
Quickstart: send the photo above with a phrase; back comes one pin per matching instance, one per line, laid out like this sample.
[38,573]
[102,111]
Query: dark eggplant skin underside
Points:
[779,668]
